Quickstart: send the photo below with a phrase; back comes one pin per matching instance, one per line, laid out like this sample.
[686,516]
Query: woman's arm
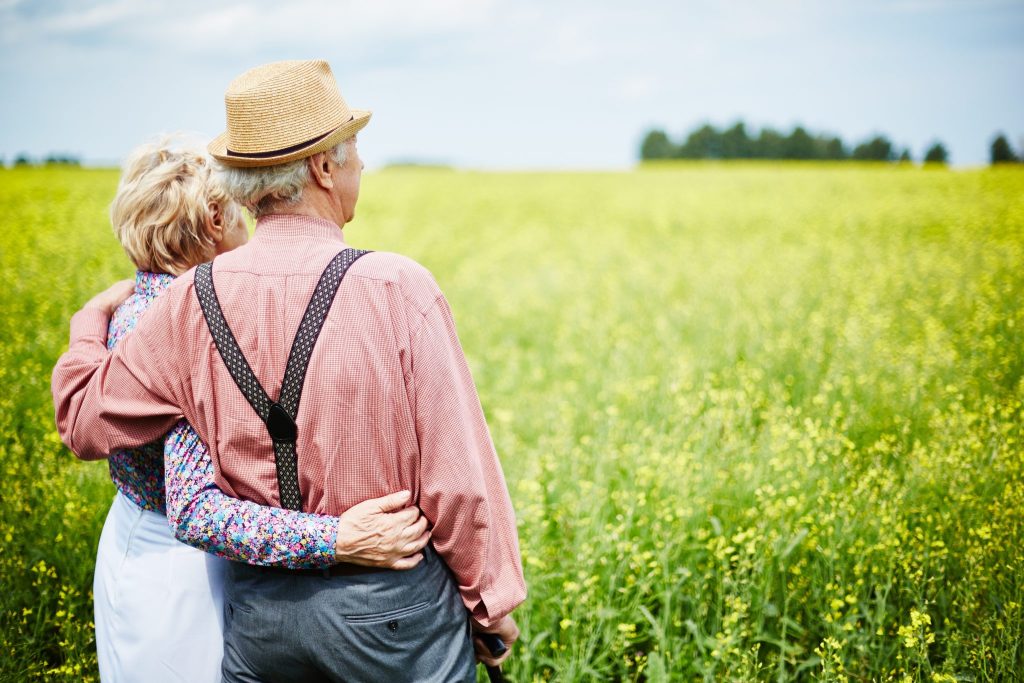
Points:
[381,532]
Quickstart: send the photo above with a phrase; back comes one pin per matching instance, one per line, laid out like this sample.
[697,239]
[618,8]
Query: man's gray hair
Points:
[264,189]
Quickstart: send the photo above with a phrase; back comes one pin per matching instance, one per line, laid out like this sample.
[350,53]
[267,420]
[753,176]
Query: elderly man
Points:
[387,404]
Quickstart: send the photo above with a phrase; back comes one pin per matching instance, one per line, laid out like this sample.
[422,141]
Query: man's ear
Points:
[320,169]
[214,222]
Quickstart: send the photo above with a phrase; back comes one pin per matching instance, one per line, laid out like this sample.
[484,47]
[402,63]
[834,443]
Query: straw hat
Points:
[284,111]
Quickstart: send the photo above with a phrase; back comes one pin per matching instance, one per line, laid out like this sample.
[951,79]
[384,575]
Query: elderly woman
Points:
[158,602]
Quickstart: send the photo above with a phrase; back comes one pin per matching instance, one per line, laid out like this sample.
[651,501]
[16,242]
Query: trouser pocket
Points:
[426,638]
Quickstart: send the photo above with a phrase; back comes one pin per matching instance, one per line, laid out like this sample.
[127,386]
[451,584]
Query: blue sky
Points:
[520,84]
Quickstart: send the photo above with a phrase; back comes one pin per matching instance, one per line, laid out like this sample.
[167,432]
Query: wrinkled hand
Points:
[382,532]
[111,297]
[506,629]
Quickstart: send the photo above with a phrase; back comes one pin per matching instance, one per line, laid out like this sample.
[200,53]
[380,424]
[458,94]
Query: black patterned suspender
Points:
[279,416]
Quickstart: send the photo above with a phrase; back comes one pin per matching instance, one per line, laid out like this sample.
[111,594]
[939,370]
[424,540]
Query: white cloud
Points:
[568,43]
[638,87]
[199,27]
[920,6]
[101,16]
[335,24]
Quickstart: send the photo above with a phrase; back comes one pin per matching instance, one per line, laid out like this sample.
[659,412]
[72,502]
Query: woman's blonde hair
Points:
[163,203]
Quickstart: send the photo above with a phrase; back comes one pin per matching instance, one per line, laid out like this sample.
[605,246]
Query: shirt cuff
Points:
[89,322]
[488,615]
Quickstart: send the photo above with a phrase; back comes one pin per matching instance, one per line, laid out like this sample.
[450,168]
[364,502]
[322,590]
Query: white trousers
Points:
[158,603]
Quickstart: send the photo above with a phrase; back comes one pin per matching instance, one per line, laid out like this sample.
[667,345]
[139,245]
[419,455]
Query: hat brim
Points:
[218,147]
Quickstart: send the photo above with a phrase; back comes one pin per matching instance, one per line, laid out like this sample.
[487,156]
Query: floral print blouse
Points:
[200,514]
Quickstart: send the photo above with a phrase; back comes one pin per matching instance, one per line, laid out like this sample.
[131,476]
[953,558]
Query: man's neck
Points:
[315,205]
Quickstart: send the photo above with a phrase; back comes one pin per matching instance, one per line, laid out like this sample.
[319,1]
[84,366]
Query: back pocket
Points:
[387,616]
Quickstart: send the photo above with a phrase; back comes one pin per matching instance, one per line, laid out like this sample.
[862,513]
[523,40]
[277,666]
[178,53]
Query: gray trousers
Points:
[384,626]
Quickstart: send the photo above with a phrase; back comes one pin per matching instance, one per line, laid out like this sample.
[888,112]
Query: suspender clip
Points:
[280,424]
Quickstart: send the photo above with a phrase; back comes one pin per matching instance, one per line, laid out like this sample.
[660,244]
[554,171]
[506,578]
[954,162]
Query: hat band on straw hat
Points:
[284,150]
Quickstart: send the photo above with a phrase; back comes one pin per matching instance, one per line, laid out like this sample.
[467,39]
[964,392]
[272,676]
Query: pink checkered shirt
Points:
[388,403]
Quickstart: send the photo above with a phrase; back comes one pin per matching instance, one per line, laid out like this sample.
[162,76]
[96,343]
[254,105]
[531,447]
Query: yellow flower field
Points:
[759,421]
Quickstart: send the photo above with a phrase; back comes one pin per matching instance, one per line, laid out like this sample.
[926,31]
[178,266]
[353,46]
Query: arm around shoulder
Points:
[105,401]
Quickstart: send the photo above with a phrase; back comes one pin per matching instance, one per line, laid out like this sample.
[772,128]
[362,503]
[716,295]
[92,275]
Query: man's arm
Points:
[382,532]
[108,401]
[462,487]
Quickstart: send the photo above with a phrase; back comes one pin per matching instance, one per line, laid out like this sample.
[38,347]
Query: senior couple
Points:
[306,486]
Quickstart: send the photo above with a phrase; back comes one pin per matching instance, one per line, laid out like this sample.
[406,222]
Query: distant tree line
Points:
[1002,153]
[23,160]
[709,142]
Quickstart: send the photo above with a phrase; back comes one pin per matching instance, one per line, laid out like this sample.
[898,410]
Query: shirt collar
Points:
[151,284]
[289,226]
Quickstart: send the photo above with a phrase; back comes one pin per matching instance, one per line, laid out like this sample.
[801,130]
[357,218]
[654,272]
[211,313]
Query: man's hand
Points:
[506,629]
[382,532]
[111,297]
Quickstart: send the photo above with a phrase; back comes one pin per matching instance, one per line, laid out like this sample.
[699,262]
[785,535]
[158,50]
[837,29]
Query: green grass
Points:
[759,421]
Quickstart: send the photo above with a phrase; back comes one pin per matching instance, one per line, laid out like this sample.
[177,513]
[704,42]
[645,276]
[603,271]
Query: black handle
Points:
[497,648]
[494,643]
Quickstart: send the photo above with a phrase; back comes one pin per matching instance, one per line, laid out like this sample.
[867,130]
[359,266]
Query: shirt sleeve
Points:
[203,516]
[109,401]
[462,487]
